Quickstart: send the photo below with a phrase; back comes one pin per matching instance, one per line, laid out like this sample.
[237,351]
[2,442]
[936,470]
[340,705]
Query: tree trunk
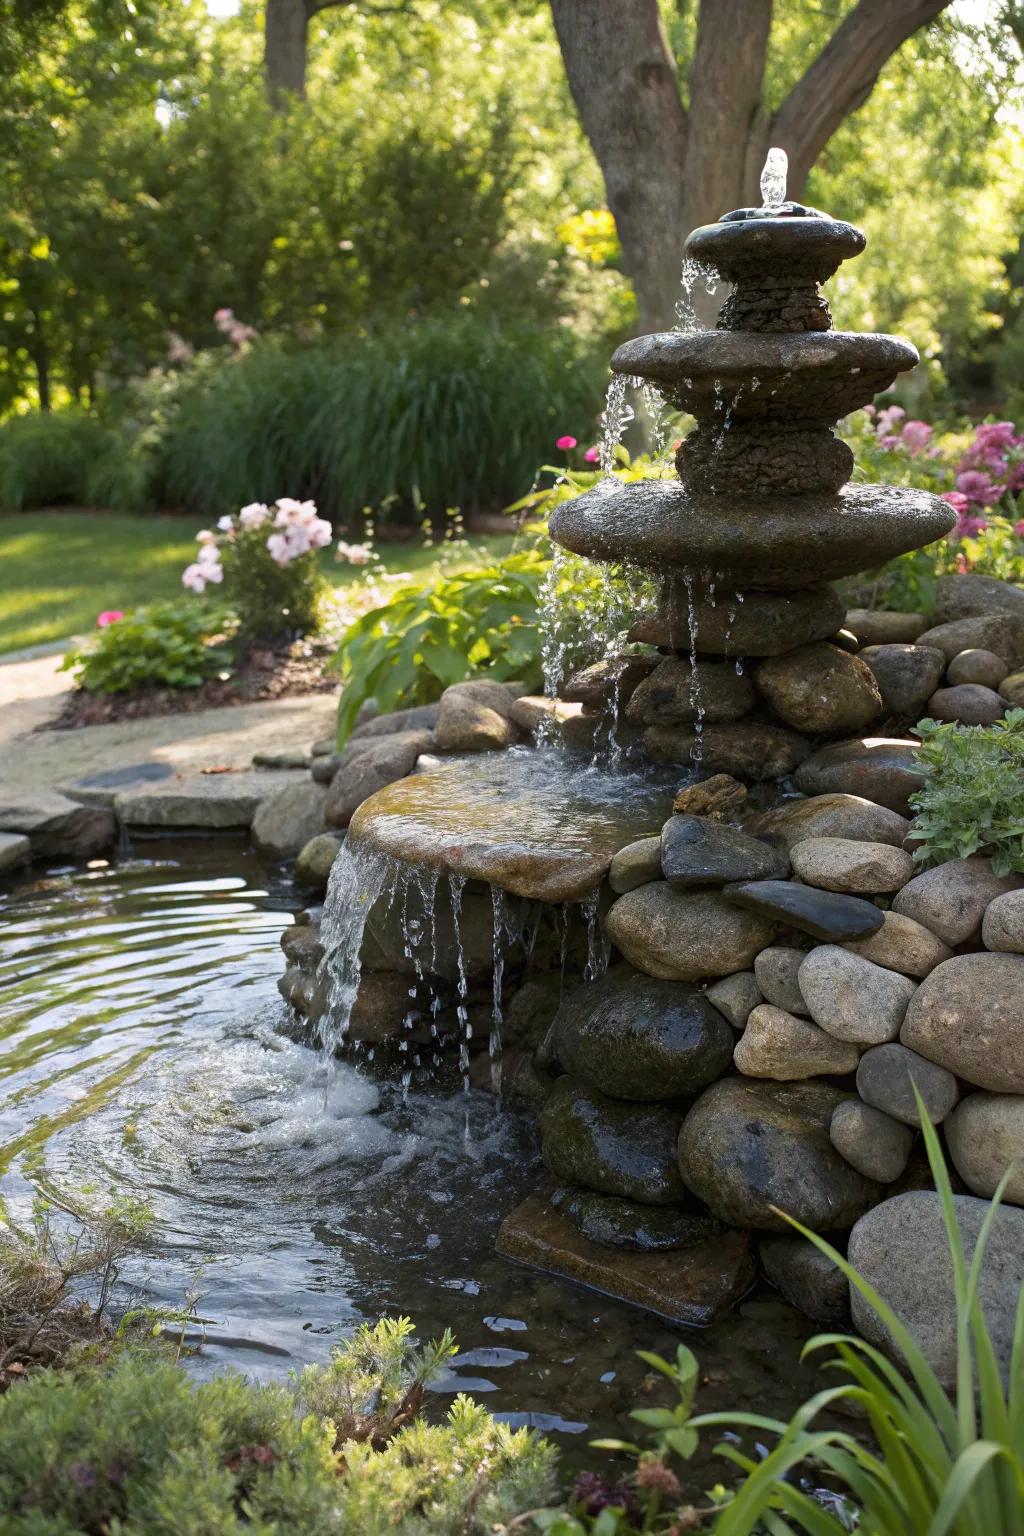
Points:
[40,355]
[285,30]
[667,170]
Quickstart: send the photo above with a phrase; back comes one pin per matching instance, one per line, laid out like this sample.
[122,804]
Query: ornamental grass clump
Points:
[972,799]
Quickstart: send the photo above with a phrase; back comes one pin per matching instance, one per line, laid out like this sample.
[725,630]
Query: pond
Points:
[144,1053]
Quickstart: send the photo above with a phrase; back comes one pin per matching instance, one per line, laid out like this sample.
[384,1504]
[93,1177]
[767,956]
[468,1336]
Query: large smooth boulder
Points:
[750,749]
[637,1038]
[379,761]
[951,898]
[684,935]
[476,717]
[902,944]
[55,826]
[674,694]
[854,867]
[985,1136]
[609,1145]
[746,1146]
[1002,927]
[902,1249]
[879,768]
[888,1075]
[966,597]
[835,815]
[778,1045]
[968,1015]
[697,851]
[852,998]
[287,820]
[820,688]
[907,675]
[822,914]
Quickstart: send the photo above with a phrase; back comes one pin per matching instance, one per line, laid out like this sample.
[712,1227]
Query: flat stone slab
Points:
[55,826]
[537,824]
[104,787]
[14,850]
[202,801]
[693,1285]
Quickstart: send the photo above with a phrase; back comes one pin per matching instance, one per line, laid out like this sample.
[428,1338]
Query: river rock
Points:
[380,761]
[609,1145]
[684,935]
[55,826]
[969,703]
[907,675]
[872,1142]
[746,1146]
[965,597]
[846,816]
[818,688]
[985,1136]
[534,711]
[719,796]
[777,1044]
[1002,927]
[636,864]
[14,850]
[325,766]
[613,680]
[807,1278]
[734,997]
[674,695]
[775,971]
[750,750]
[316,860]
[977,666]
[1012,689]
[628,1224]
[879,768]
[421,717]
[901,1248]
[968,1016]
[822,914]
[901,944]
[698,851]
[763,624]
[888,1075]
[475,717]
[851,998]
[874,626]
[999,633]
[636,1038]
[288,818]
[851,866]
[951,898]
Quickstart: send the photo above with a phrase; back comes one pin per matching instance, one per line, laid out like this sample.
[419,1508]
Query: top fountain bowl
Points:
[800,247]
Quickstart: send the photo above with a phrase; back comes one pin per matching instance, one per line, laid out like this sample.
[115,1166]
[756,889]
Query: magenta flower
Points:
[978,487]
[107,617]
[593,455]
[957,500]
[969,527]
[915,436]
[1018,529]
[565,443]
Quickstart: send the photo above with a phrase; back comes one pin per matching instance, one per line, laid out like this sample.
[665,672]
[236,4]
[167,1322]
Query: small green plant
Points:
[972,800]
[374,1384]
[164,645]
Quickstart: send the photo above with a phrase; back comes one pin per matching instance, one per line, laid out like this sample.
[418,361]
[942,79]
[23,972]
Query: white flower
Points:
[205,536]
[278,547]
[213,572]
[253,515]
[355,554]
[209,555]
[320,533]
[225,524]
[194,577]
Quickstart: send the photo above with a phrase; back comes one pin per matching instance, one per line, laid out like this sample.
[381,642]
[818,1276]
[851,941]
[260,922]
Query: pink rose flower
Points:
[566,444]
[915,436]
[107,617]
[593,455]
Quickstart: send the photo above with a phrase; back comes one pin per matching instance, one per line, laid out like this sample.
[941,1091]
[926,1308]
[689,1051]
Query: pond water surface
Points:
[141,1052]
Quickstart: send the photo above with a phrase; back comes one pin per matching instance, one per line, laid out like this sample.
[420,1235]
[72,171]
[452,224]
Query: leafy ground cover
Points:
[62,568]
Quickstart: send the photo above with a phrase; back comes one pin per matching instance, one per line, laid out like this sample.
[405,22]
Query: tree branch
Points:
[843,76]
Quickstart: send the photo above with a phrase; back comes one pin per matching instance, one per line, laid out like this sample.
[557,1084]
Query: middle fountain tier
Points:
[762,517]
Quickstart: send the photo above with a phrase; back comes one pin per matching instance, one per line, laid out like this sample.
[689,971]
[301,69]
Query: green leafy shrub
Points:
[47,459]
[142,1449]
[972,800]
[452,412]
[165,645]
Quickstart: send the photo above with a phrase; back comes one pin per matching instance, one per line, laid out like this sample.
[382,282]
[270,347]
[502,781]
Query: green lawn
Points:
[59,569]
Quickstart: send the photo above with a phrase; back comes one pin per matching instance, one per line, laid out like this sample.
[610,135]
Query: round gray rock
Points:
[1002,927]
[969,703]
[636,1038]
[287,819]
[977,666]
[951,898]
[775,971]
[888,1075]
[968,1015]
[872,1142]
[985,1136]
[902,944]
[907,675]
[684,935]
[851,998]
[858,868]
[902,1249]
[636,864]
[734,997]
[746,1146]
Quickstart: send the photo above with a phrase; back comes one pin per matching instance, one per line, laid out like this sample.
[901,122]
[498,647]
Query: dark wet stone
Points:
[748,749]
[628,1224]
[969,703]
[762,624]
[698,851]
[609,1145]
[907,675]
[638,1038]
[747,1146]
[807,1278]
[879,768]
[824,915]
[613,680]
[674,695]
[820,688]
[968,597]
[693,1285]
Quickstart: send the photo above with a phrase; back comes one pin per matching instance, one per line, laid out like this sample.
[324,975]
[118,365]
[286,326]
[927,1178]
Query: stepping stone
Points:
[696,851]
[693,1285]
[56,826]
[103,788]
[823,914]
[203,802]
